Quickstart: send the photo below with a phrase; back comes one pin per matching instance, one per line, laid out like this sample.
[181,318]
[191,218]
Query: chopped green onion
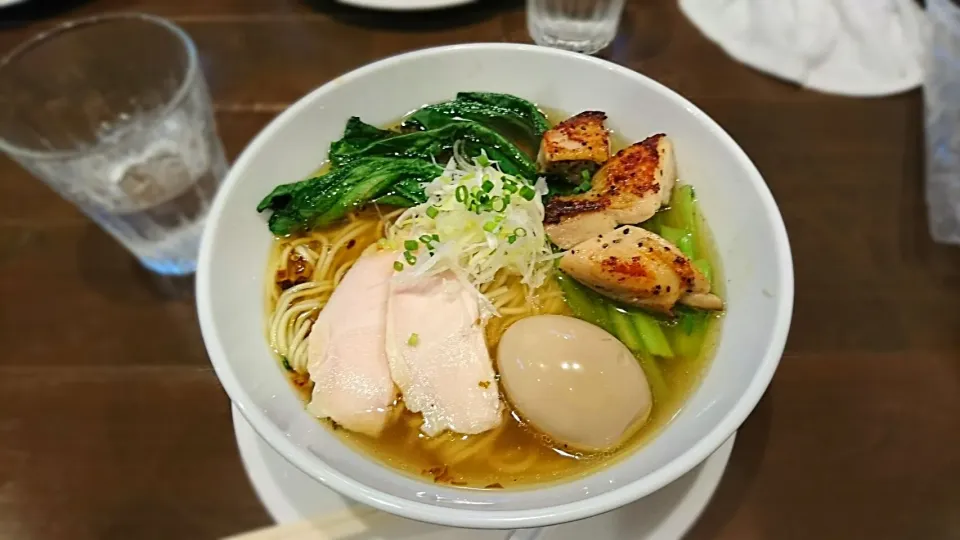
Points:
[490,226]
[410,258]
[509,186]
[398,266]
[411,245]
[413,339]
[436,237]
[483,198]
[520,231]
[461,193]
[426,239]
[584,186]
[432,212]
[511,239]
[482,159]
[487,186]
[584,176]
[527,193]
[498,203]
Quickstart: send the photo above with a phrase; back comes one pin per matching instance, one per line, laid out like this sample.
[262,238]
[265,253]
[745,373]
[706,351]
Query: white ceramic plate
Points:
[290,495]
[405,5]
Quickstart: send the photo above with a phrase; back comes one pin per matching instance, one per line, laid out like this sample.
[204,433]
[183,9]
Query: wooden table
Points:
[113,425]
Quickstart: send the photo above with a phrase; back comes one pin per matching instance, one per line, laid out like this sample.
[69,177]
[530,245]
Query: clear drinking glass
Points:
[113,113]
[942,107]
[576,25]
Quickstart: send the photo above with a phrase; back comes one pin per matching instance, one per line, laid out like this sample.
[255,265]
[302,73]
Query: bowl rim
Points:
[498,519]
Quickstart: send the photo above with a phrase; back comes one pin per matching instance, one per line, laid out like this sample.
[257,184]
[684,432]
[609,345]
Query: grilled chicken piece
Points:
[579,143]
[628,189]
[639,268]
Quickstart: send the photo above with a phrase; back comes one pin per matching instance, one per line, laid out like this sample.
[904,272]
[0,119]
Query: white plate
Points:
[405,5]
[290,495]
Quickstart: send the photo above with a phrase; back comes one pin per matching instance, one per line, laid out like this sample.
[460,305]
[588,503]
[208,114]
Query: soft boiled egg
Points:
[573,381]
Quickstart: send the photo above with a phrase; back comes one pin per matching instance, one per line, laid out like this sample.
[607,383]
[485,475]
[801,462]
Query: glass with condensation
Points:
[585,26]
[113,113]
[941,92]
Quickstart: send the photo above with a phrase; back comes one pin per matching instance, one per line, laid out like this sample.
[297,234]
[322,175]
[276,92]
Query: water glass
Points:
[942,111]
[585,26]
[113,113]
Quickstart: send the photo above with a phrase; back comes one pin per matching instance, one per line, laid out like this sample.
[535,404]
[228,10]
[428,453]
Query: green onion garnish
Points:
[490,226]
[436,237]
[398,266]
[432,212]
[509,187]
[487,186]
[461,194]
[520,231]
[413,339]
[482,159]
[585,186]
[411,245]
[426,239]
[511,239]
[498,203]
[527,193]
[585,175]
[410,258]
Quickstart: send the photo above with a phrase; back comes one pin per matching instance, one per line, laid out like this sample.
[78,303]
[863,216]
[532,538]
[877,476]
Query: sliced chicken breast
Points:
[628,189]
[346,348]
[636,267]
[438,356]
[579,143]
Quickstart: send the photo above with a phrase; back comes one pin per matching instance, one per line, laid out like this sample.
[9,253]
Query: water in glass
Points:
[113,114]
[585,26]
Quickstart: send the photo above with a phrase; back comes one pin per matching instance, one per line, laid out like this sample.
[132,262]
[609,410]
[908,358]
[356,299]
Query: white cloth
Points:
[850,47]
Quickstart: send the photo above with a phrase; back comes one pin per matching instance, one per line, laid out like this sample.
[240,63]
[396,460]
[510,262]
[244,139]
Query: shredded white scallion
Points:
[476,222]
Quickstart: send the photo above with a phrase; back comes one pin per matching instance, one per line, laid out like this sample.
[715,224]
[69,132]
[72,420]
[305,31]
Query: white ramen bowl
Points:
[749,233]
